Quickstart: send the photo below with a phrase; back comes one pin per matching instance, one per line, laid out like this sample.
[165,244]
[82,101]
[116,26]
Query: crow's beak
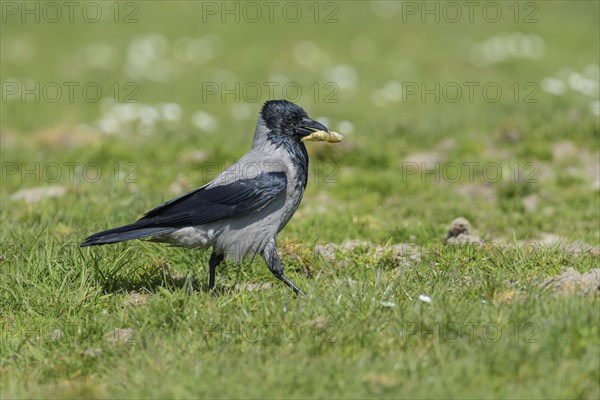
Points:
[317,132]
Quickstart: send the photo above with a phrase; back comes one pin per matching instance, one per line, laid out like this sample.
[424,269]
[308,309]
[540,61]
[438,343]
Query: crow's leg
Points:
[274,263]
[215,259]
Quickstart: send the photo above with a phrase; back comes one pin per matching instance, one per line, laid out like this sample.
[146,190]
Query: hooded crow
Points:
[241,211]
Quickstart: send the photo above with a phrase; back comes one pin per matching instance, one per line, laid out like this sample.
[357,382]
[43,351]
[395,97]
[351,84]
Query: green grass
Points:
[494,328]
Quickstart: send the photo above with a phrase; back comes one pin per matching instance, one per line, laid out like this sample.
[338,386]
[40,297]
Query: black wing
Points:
[201,206]
[209,204]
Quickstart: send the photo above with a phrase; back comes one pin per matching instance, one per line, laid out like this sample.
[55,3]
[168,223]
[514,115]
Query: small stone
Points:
[459,233]
[458,226]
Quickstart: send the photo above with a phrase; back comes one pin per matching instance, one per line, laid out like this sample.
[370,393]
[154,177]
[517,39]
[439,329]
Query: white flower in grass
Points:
[424,298]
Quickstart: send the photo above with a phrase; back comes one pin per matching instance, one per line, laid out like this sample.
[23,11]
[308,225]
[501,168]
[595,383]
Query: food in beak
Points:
[323,136]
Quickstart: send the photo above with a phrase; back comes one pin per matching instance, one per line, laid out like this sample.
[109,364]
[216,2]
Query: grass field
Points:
[489,113]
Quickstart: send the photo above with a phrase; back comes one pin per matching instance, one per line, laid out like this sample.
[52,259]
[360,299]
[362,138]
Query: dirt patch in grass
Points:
[571,281]
[135,299]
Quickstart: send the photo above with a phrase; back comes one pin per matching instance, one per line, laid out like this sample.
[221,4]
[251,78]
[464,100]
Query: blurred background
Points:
[488,110]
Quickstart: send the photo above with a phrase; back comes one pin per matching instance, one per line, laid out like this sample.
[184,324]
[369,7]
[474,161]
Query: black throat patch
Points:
[297,151]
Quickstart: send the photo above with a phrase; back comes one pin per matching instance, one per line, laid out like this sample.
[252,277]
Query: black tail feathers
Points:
[123,233]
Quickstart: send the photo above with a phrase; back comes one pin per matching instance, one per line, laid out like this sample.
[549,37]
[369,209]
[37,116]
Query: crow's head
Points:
[286,119]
